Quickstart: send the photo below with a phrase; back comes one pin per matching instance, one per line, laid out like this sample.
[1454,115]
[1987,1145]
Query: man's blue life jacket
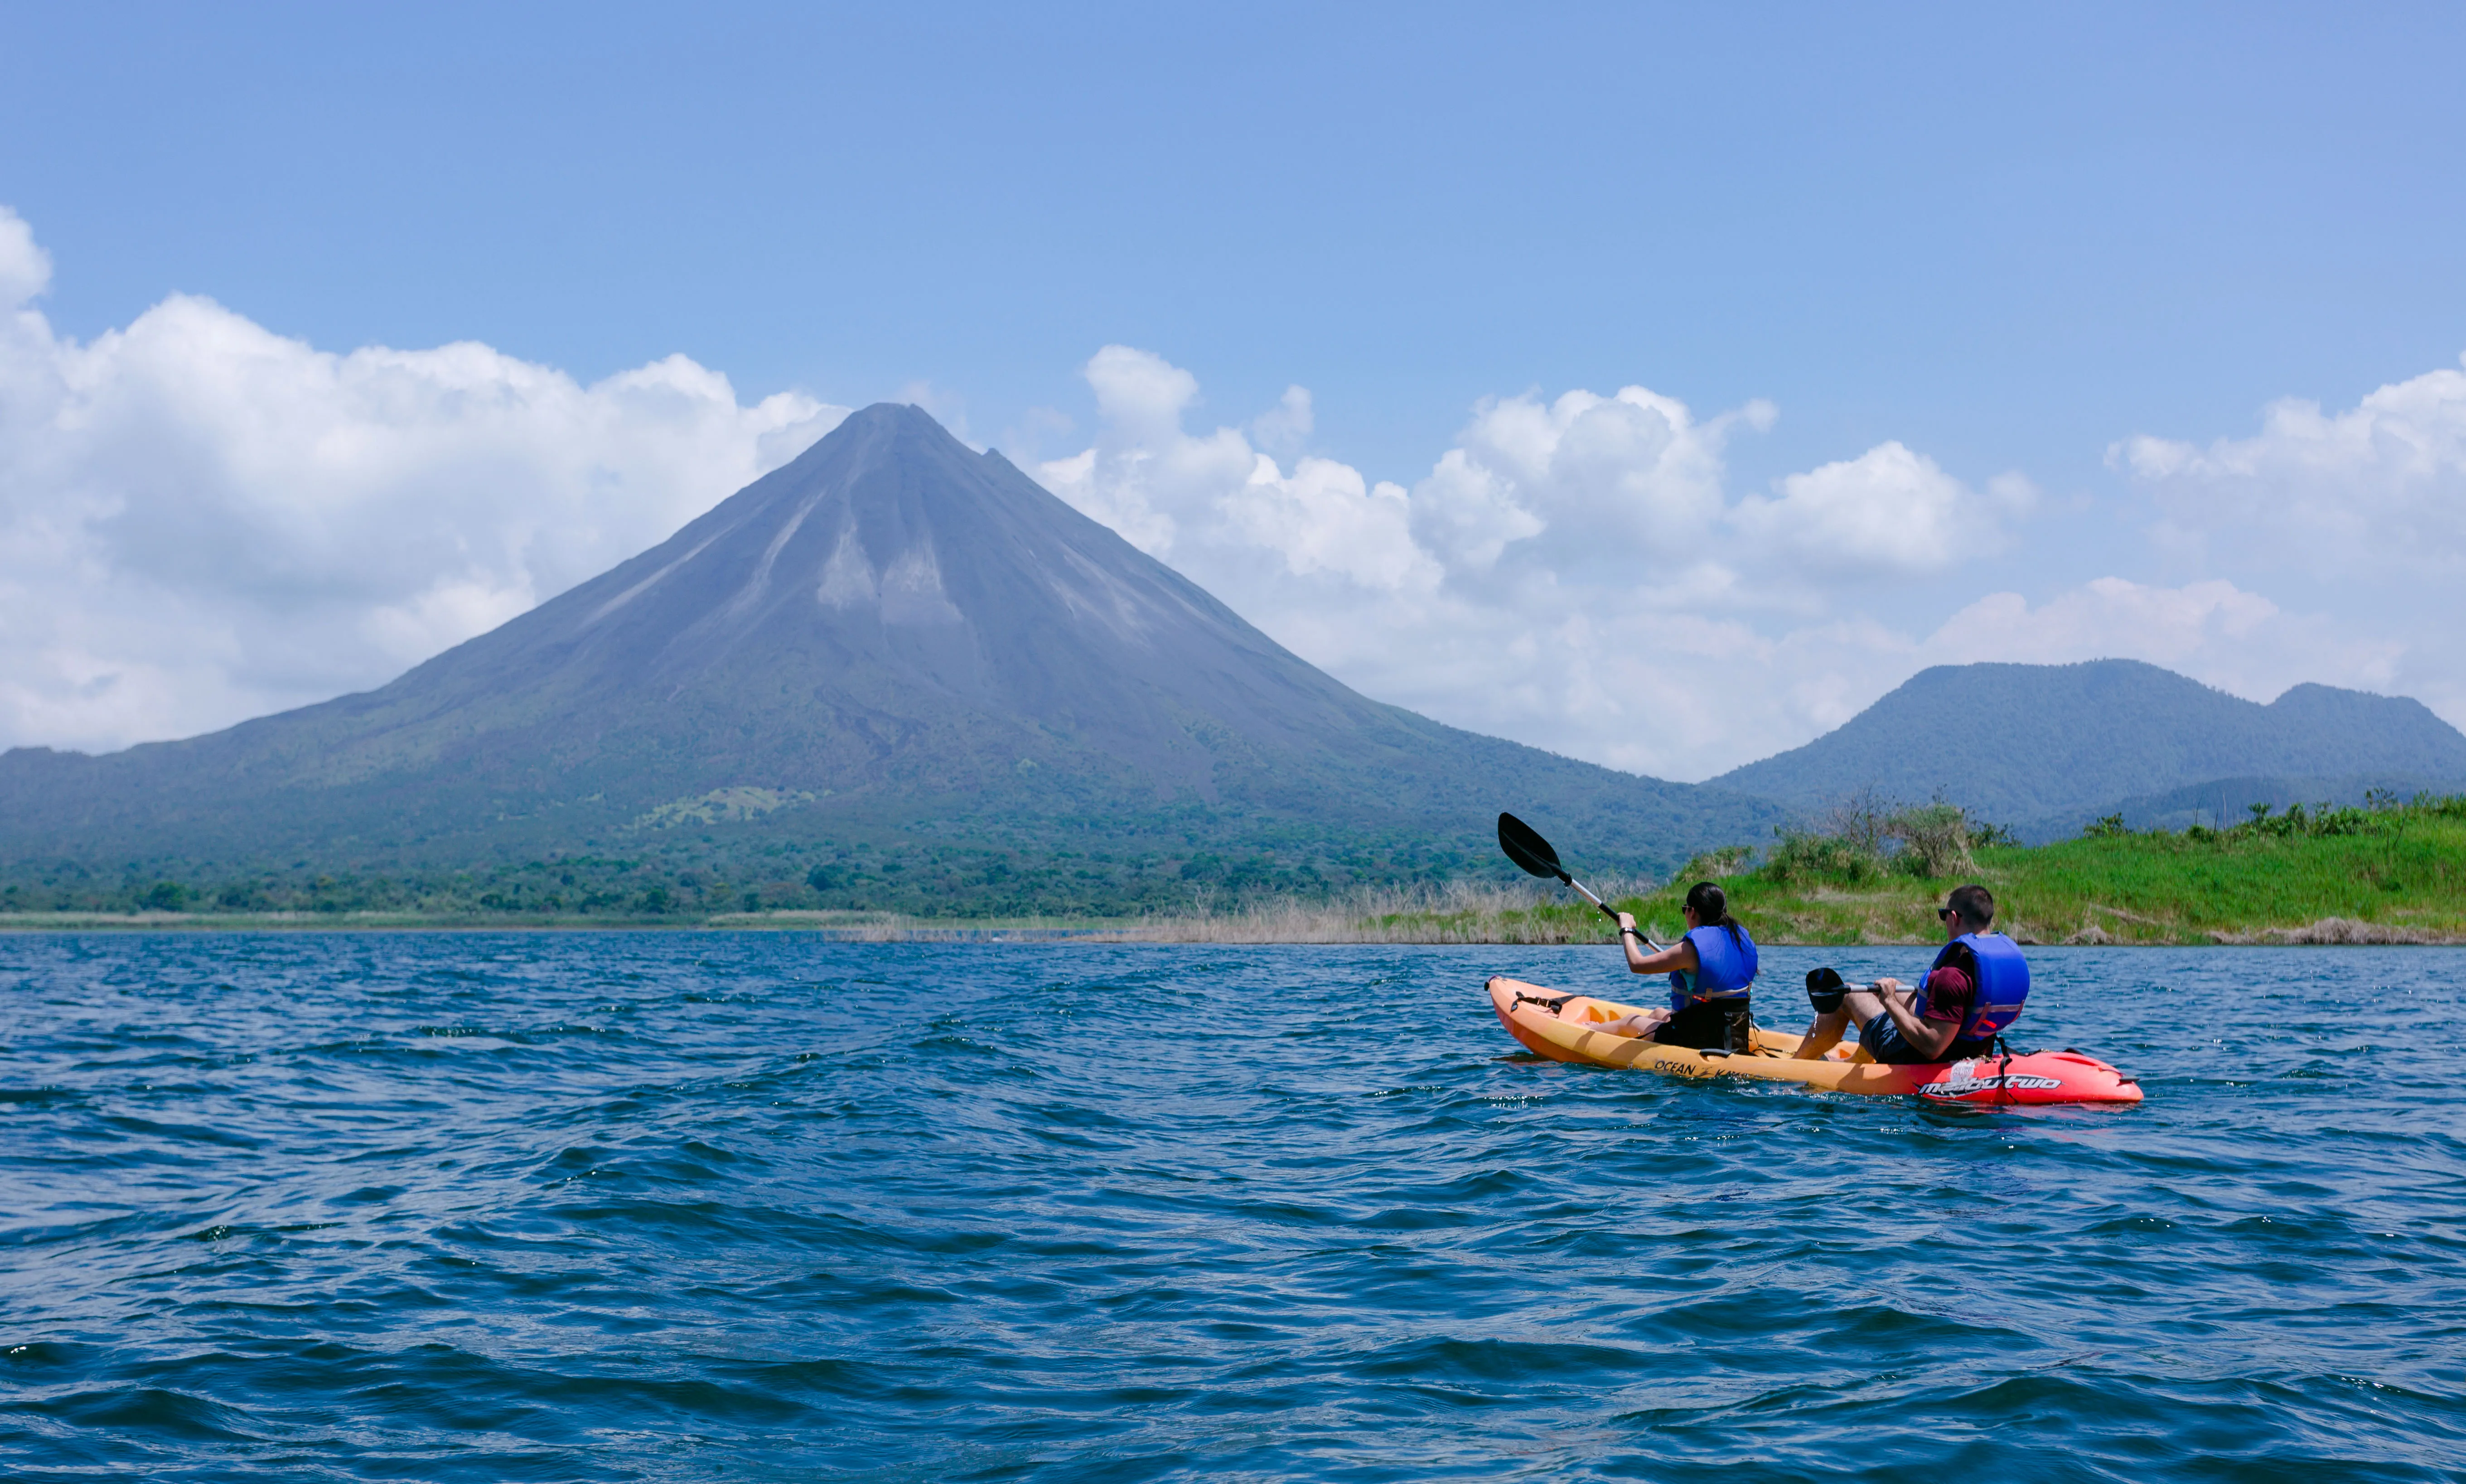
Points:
[2003,984]
[1724,968]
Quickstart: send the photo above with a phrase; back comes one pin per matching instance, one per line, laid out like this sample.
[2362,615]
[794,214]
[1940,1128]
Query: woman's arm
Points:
[1680,955]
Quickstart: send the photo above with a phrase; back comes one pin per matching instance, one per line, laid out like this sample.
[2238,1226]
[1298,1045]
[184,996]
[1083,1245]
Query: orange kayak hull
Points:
[1567,1028]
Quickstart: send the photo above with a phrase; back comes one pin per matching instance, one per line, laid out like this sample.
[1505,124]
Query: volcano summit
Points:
[891,645]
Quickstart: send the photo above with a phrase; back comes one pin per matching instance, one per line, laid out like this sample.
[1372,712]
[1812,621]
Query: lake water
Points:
[455,1207]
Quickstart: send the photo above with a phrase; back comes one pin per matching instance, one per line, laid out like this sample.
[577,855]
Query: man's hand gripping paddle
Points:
[1524,846]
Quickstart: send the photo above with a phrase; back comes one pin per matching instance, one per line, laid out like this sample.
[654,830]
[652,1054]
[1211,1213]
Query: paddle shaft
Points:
[1586,893]
[1524,846]
[1607,911]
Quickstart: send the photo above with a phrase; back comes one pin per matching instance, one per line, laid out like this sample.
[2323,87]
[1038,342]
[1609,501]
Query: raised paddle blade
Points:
[1524,846]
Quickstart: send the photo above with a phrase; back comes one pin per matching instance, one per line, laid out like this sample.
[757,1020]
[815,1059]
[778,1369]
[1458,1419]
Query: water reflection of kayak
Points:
[1560,1028]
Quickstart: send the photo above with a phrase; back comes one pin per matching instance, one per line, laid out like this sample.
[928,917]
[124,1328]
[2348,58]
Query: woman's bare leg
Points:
[1635,1027]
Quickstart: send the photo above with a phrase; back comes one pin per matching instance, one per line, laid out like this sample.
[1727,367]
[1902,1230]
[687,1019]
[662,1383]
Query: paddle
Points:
[1524,846]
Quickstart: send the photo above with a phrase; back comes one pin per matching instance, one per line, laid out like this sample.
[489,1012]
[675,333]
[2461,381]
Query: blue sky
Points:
[2008,242]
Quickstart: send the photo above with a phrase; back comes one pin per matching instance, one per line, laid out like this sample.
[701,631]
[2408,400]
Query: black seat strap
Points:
[1552,1004]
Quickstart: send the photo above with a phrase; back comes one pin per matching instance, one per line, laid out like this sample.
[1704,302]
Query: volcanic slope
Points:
[891,639]
[2046,747]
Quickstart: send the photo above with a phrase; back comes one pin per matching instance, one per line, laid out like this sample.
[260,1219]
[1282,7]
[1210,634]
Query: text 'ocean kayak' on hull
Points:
[1561,1028]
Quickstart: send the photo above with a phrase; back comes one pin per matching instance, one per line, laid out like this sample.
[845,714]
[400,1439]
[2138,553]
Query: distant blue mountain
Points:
[2043,749]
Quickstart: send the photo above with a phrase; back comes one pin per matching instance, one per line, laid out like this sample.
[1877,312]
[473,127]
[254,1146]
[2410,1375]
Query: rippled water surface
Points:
[704,1206]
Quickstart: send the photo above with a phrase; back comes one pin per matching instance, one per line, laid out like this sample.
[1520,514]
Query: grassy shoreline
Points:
[2392,873]
[1833,917]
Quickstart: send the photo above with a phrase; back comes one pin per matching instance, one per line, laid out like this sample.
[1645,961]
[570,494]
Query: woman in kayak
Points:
[1711,971]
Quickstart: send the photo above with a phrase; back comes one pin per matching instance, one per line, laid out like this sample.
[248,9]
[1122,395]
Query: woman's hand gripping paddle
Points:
[1524,846]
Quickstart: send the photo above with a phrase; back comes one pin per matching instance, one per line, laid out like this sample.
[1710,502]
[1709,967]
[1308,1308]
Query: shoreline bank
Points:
[1291,927]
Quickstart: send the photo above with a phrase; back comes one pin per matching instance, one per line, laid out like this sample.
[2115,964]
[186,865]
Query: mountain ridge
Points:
[2044,747]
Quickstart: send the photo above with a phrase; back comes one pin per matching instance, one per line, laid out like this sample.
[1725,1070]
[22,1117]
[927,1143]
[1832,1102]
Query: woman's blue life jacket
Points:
[2003,984]
[1725,967]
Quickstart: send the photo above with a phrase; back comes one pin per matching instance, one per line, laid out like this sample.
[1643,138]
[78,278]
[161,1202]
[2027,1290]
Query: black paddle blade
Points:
[1524,846]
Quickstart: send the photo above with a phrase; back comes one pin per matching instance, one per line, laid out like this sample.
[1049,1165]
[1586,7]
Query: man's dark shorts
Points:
[1883,1041]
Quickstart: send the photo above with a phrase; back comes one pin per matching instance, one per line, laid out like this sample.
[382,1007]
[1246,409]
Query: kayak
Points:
[1560,1028]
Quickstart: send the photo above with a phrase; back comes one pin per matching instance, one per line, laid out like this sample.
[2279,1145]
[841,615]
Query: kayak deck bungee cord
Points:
[1562,1027]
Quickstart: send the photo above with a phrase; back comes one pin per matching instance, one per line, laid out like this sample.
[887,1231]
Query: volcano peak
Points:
[900,633]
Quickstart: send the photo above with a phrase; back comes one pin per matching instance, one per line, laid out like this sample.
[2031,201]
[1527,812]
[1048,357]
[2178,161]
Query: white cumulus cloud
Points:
[1554,577]
[1576,573]
[2378,487]
[2236,640]
[1213,502]
[201,521]
[1888,511]
[25,268]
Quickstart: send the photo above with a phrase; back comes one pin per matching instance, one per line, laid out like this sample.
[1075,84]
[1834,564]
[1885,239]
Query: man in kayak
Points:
[1710,970]
[1972,991]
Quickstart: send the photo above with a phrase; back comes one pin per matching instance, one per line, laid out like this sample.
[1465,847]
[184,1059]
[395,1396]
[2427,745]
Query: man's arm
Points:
[1930,1037]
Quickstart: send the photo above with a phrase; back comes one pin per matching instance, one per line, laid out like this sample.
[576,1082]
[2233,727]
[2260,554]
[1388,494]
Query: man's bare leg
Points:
[1858,1007]
[1822,1035]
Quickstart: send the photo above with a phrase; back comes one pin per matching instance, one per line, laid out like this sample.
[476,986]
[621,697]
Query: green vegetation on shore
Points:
[1171,862]
[2390,872]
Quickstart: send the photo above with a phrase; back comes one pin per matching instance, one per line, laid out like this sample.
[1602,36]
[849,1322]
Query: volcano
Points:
[892,638]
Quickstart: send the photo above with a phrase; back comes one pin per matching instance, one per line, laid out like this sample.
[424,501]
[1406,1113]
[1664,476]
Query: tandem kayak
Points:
[1560,1028]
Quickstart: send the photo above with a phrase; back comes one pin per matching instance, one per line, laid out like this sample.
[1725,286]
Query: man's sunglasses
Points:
[1945,914]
